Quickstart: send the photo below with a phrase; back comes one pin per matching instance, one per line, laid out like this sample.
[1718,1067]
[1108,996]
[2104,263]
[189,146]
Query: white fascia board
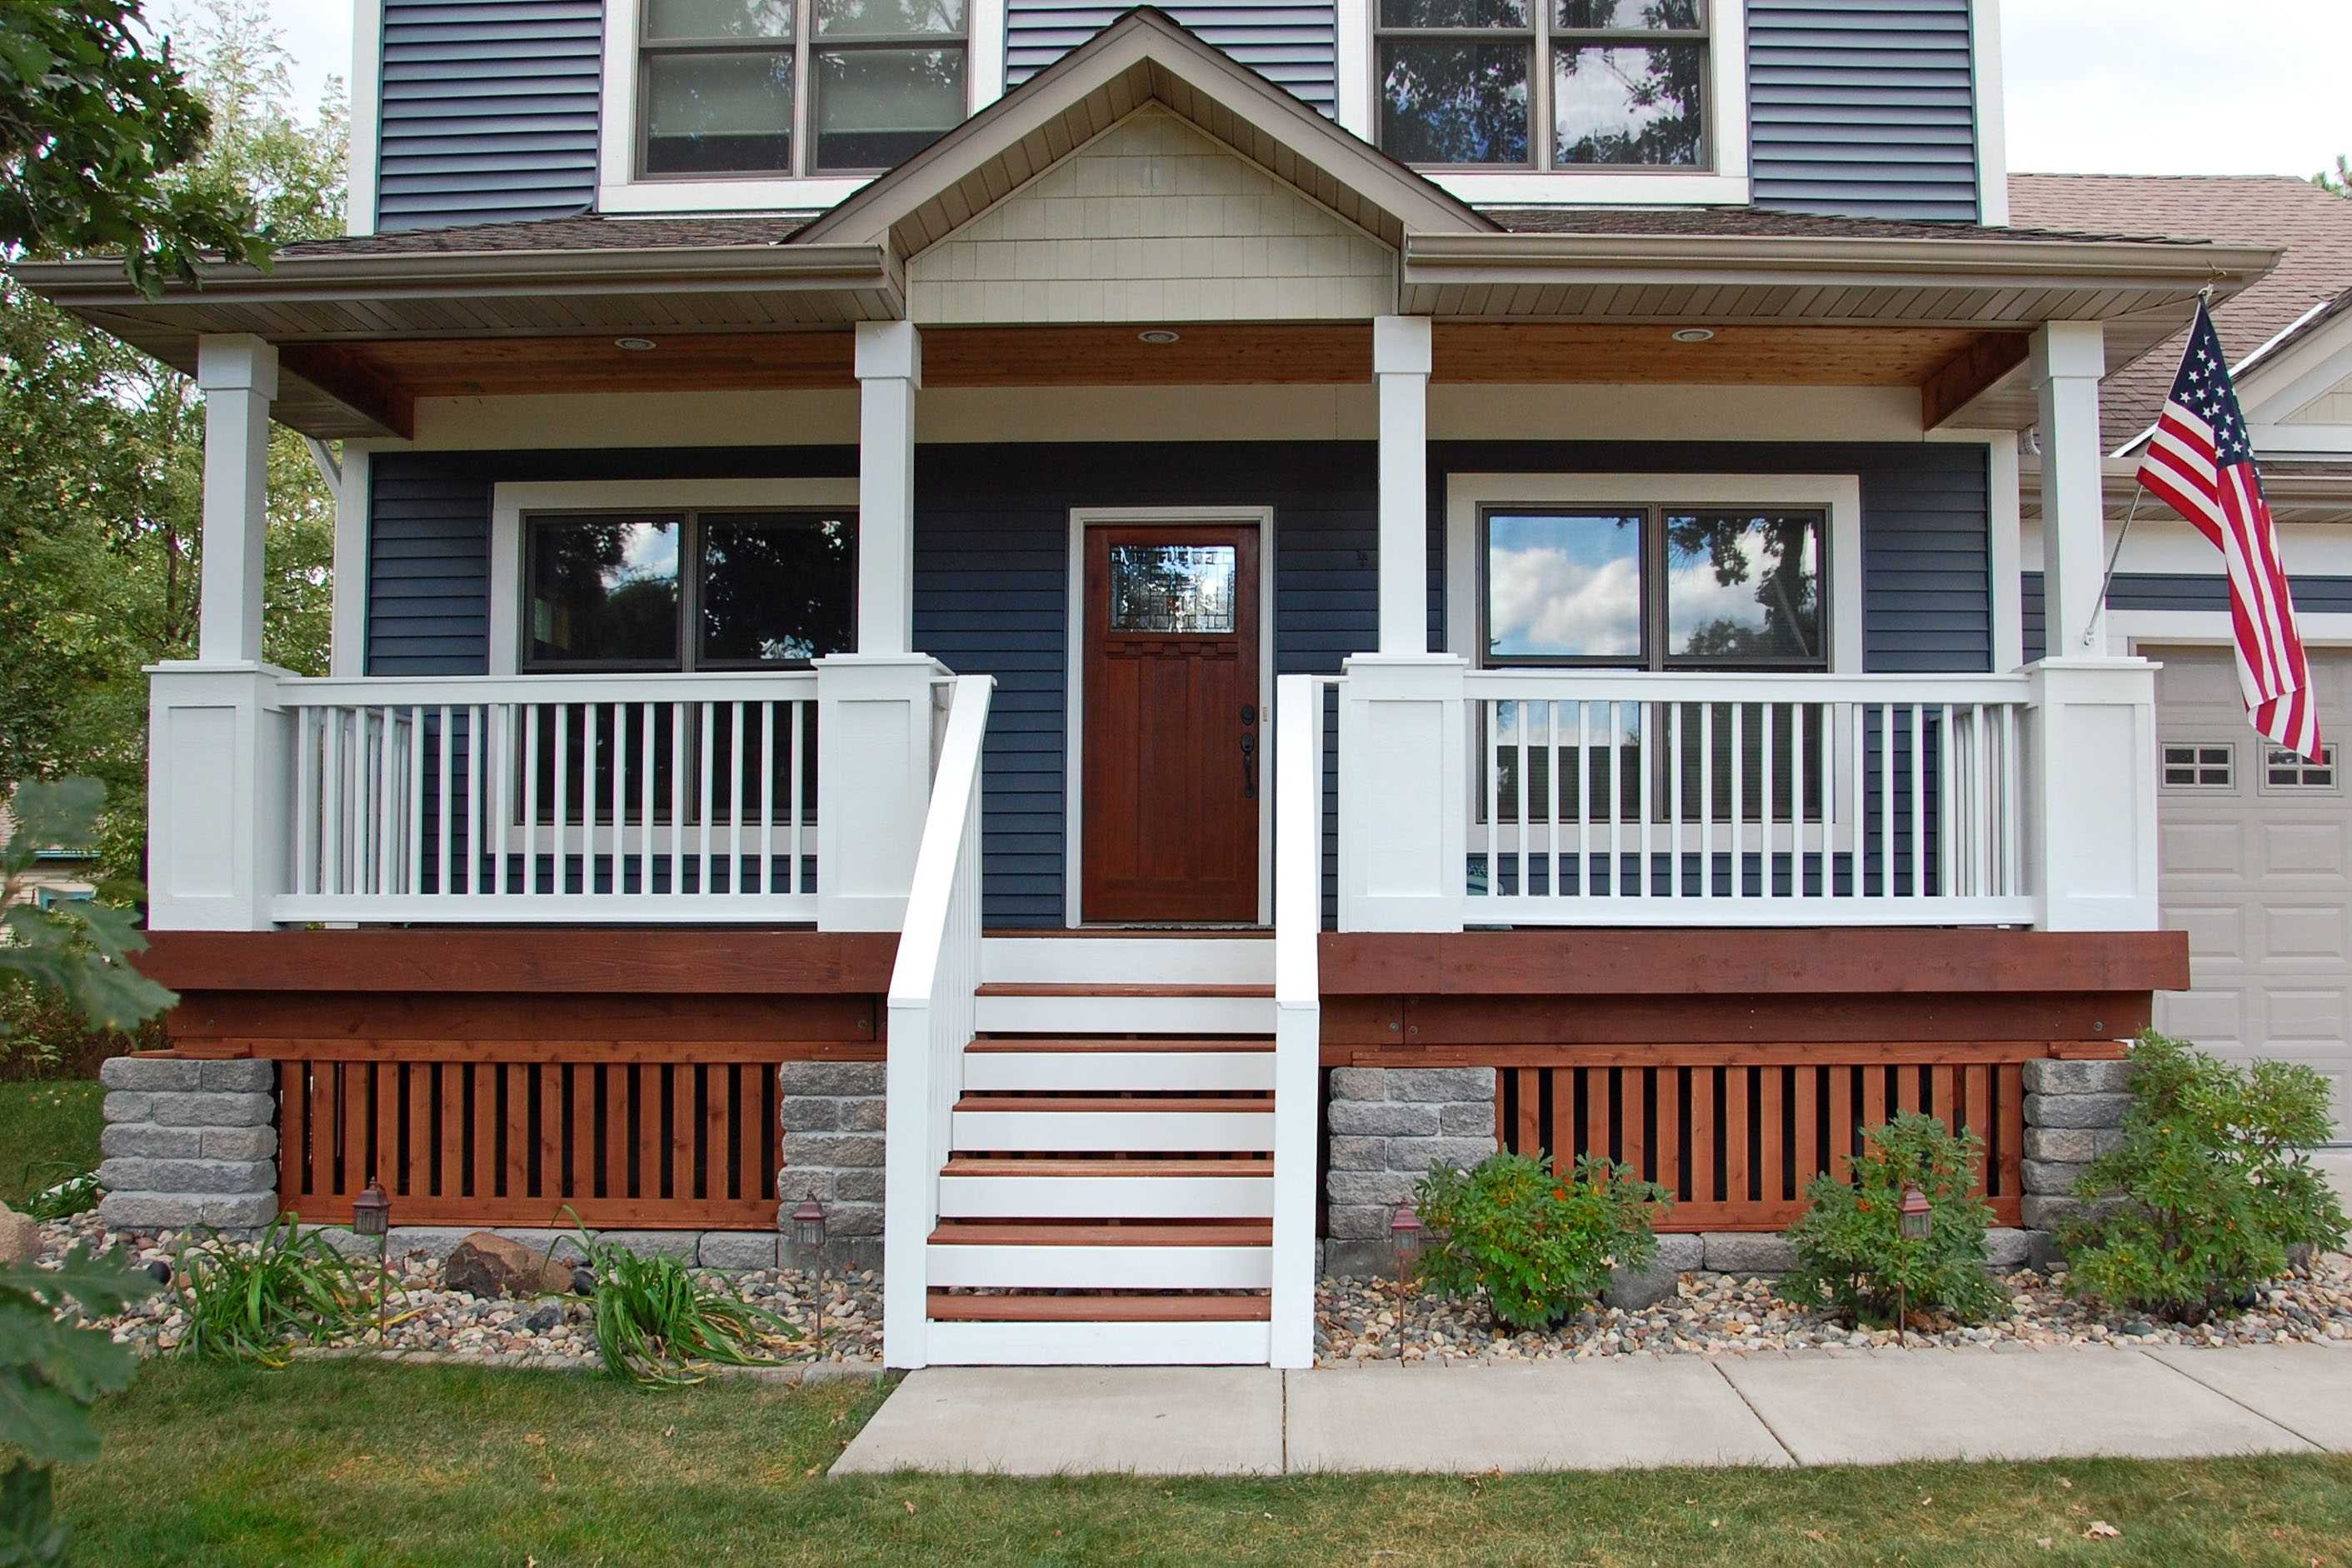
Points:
[366,116]
[1992,116]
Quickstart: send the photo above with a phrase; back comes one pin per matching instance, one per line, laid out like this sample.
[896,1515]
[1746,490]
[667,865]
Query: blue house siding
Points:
[991,568]
[489,111]
[2169,591]
[1862,107]
[1293,46]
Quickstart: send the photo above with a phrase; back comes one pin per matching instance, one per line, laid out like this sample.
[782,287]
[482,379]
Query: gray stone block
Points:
[2076,1110]
[1359,1221]
[1383,1119]
[151,1075]
[247,1212]
[852,1219]
[431,1241]
[867,1185]
[2053,1178]
[133,1176]
[144,1139]
[1418,1154]
[237,1142]
[1442,1084]
[1466,1121]
[1635,1290]
[149,1211]
[1748,1252]
[239,1076]
[2049,1076]
[2043,1251]
[829,1078]
[738,1249]
[865,1115]
[1360,1153]
[834,1148]
[210,1109]
[1360,1083]
[2077,1145]
[1381,1187]
[2008,1250]
[127,1105]
[809,1113]
[2045,1211]
[682,1245]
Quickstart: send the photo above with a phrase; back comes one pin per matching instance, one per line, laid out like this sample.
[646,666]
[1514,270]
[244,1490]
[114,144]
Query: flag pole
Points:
[2115,555]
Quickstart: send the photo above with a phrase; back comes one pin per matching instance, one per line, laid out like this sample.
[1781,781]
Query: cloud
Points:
[1542,602]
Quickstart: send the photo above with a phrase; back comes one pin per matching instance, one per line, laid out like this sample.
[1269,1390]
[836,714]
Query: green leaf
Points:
[30,1535]
[102,1283]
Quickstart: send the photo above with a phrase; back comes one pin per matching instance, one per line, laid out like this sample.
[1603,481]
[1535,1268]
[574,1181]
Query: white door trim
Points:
[1074,658]
[2131,632]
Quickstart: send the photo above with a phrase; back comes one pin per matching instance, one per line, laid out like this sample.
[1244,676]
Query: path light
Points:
[1916,1214]
[808,1235]
[1404,1246]
[372,1215]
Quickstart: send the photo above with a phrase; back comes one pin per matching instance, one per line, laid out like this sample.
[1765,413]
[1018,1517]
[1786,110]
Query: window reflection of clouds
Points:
[1564,585]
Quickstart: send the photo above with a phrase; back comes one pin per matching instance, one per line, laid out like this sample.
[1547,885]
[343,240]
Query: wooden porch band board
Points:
[548,961]
[645,1145]
[624,1052]
[428,1014]
[1412,1030]
[1737,1141]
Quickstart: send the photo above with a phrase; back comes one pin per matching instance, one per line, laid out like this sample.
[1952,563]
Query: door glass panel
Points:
[1563,585]
[1172,587]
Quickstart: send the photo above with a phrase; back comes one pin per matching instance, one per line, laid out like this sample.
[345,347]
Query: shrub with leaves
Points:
[658,1322]
[79,951]
[1850,1246]
[61,1190]
[255,1303]
[1538,1244]
[51,1371]
[2211,1186]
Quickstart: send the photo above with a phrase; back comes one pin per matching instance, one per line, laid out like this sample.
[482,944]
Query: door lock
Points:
[1249,768]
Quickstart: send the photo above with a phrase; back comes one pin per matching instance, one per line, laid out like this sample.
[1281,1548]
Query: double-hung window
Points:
[1544,84]
[784,87]
[1661,587]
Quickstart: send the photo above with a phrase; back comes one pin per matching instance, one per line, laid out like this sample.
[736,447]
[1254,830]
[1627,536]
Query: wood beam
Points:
[1969,374]
[346,377]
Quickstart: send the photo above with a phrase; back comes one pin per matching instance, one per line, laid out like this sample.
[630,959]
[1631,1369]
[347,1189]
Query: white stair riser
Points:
[1103,1268]
[1116,1131]
[1081,1015]
[1100,1344]
[1196,1073]
[1106,1197]
[1127,961]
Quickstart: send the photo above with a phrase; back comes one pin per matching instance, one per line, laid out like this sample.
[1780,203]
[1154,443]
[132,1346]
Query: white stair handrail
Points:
[932,985]
[1299,1010]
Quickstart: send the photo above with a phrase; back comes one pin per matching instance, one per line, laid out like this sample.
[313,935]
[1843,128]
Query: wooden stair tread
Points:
[980,1232]
[1244,1165]
[945,1307]
[1085,989]
[1080,1045]
[1164,1103]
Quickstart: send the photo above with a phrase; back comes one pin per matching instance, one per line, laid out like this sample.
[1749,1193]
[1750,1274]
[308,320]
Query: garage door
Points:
[2257,868]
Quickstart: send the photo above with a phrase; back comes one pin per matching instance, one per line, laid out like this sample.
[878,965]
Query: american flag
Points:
[2200,462]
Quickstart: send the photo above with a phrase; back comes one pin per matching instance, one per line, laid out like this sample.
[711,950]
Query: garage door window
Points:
[2199,766]
[2285,770]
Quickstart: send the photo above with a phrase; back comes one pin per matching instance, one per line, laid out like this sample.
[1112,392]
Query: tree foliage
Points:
[2337,182]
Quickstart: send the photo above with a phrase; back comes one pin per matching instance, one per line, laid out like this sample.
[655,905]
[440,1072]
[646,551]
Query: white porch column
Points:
[1400,372]
[2091,843]
[875,714]
[237,373]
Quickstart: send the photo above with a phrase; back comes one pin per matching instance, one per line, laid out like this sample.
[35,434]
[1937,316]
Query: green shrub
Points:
[250,1305]
[2214,1181]
[657,1320]
[1850,1246]
[1538,1244]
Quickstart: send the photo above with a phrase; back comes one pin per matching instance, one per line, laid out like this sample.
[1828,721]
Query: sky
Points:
[2137,87]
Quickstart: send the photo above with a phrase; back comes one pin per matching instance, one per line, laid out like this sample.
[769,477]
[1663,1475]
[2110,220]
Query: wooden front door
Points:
[1174,746]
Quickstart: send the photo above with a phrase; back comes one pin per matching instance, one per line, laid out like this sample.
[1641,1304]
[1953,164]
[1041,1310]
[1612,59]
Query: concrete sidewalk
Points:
[1802,1408]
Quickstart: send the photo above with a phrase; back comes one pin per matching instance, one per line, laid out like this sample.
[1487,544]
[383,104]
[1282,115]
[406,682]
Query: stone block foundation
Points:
[2074,1114]
[1387,1126]
[188,1143]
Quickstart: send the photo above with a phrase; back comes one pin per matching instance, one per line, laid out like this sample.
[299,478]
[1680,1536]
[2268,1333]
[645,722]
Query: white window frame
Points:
[1838,495]
[619,190]
[1726,184]
[510,502]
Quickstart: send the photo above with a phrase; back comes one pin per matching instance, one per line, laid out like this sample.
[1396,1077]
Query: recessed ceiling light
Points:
[1158,335]
[634,345]
[1694,334]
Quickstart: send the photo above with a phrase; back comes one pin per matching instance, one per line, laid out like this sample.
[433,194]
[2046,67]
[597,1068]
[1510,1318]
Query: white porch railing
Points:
[1687,799]
[1298,1011]
[932,984]
[665,797]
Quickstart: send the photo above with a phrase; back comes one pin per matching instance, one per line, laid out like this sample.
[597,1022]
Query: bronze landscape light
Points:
[372,1215]
[1404,1246]
[1914,1223]
[808,1235]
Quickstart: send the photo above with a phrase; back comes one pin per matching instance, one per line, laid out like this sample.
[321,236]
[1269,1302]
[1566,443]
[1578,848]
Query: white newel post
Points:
[1404,736]
[874,707]
[219,748]
[2092,755]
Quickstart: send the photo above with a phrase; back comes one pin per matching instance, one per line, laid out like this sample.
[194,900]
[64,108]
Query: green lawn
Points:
[45,1121]
[347,1463]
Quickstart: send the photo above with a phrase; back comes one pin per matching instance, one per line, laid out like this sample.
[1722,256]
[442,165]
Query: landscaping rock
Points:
[1633,1290]
[486,1264]
[546,1318]
[20,1237]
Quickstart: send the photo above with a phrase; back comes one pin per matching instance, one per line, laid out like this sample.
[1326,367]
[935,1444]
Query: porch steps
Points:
[1109,1191]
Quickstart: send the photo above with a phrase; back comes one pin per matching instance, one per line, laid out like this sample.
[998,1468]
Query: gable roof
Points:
[1145,57]
[2277,210]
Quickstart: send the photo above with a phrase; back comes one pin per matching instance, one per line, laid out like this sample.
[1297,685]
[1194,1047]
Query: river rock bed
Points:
[547,1330]
[1722,1314]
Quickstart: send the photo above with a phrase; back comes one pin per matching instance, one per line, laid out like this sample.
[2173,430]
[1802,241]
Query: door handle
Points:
[1249,767]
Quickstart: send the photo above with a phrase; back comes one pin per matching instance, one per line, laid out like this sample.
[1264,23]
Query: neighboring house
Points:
[58,876]
[2257,857]
[1367,591]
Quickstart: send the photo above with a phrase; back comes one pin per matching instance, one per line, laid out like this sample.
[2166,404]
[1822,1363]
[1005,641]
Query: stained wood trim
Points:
[1191,1308]
[1969,374]
[1140,1233]
[1683,961]
[429,961]
[343,375]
